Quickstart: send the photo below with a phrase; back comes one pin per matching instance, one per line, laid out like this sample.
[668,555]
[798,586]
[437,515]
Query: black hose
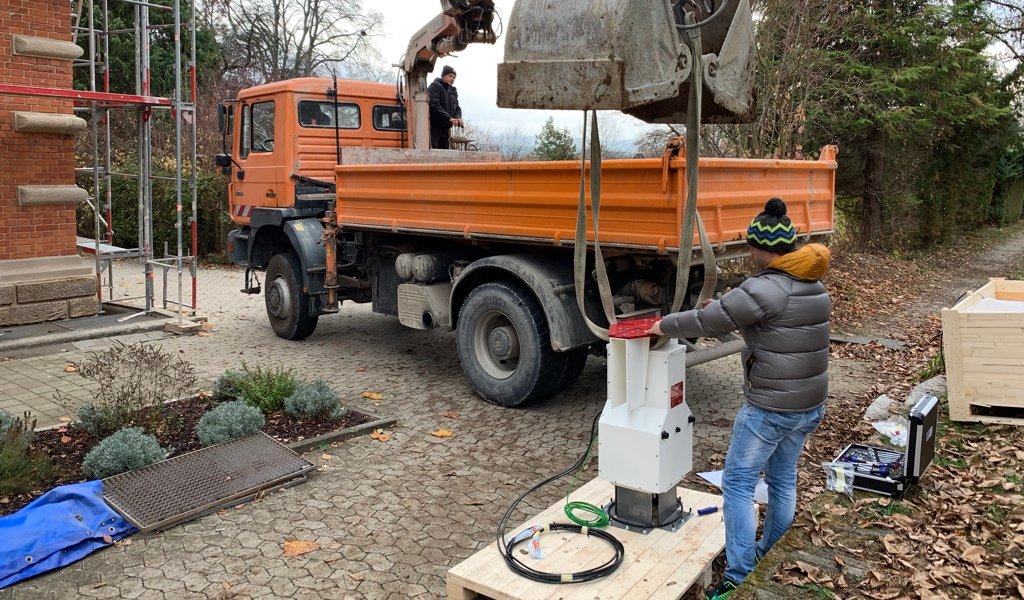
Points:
[506,548]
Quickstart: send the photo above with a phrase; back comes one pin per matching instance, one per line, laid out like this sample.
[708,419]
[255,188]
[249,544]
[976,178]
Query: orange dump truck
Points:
[463,241]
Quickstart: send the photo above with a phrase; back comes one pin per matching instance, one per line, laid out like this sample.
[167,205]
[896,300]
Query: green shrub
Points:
[229,385]
[102,420]
[229,421]
[20,470]
[266,389]
[9,422]
[132,378]
[125,450]
[316,401]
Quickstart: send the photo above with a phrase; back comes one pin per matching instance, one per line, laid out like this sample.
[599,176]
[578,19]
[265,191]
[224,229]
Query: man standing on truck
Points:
[445,112]
[783,315]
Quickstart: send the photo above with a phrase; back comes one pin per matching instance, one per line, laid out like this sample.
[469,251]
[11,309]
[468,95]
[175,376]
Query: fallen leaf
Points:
[108,539]
[202,334]
[373,395]
[207,325]
[360,369]
[442,433]
[380,435]
[64,419]
[451,415]
[326,456]
[65,439]
[299,547]
[356,577]
[974,555]
[127,541]
[70,369]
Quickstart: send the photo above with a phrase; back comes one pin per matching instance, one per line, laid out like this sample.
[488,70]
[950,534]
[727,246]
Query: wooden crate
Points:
[983,343]
[661,564]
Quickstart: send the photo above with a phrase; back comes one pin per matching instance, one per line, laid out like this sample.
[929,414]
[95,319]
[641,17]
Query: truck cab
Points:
[282,139]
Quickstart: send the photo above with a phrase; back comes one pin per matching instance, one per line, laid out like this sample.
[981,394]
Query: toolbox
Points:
[887,471]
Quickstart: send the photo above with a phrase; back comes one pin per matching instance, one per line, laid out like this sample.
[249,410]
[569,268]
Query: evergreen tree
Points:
[553,143]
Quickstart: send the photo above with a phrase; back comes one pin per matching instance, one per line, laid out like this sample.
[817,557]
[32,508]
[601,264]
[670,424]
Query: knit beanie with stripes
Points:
[772,230]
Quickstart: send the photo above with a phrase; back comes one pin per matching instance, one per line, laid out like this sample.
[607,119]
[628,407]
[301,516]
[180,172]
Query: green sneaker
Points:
[722,592]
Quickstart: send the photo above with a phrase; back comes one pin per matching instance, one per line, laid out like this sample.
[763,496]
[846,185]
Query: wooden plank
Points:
[951,349]
[993,420]
[1009,295]
[661,564]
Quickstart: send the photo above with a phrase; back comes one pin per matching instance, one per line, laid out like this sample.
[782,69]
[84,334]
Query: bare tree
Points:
[511,144]
[281,39]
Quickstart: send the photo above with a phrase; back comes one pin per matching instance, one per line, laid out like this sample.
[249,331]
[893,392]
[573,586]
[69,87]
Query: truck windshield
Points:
[313,113]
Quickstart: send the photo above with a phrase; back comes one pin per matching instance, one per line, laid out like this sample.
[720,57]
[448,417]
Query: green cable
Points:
[600,517]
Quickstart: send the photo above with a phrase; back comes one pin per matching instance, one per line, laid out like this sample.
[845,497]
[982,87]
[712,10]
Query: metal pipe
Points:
[177,147]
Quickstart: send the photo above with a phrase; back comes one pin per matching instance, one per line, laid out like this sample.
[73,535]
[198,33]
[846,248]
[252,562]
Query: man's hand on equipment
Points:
[655,329]
[455,122]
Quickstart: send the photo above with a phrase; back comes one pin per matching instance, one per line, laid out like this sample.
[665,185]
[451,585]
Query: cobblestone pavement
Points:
[390,517]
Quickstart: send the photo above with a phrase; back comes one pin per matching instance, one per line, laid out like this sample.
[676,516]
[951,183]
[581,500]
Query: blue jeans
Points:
[769,442]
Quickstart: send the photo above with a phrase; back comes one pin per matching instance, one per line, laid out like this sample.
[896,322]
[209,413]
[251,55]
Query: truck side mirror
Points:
[223,161]
[222,118]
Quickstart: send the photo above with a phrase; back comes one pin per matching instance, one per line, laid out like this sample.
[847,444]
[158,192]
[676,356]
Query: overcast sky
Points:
[477,68]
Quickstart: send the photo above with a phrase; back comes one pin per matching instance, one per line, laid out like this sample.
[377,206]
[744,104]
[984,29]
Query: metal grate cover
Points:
[193,484]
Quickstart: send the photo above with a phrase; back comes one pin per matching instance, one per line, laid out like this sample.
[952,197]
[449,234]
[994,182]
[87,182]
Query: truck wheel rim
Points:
[279,298]
[496,344]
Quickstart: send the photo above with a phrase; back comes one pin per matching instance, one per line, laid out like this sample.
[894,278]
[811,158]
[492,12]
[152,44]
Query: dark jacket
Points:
[783,315]
[444,103]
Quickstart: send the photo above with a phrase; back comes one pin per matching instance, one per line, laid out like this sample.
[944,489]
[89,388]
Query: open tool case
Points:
[888,472]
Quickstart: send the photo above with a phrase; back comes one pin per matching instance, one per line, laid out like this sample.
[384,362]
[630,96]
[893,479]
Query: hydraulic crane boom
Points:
[460,23]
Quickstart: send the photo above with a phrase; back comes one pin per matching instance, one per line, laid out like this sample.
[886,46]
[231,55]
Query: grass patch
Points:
[945,461]
[997,513]
[936,365]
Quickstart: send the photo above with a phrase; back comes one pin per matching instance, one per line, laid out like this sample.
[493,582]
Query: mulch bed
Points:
[67,446]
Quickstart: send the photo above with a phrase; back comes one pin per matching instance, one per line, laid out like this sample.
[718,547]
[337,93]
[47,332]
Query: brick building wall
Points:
[38,195]
[31,231]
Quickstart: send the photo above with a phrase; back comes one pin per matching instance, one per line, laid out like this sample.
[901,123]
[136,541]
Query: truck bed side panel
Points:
[537,201]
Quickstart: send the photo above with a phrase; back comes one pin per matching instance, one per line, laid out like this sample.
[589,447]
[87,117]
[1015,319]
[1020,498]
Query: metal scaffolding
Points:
[90,22]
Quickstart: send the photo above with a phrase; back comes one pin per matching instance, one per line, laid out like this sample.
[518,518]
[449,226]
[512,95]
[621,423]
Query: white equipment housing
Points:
[646,429]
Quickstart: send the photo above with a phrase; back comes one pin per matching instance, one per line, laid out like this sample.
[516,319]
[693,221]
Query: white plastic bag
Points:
[839,477]
[896,429]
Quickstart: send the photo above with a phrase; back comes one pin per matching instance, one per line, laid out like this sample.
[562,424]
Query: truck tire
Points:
[287,305]
[504,346]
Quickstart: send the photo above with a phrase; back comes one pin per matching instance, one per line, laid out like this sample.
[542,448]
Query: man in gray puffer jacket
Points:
[783,315]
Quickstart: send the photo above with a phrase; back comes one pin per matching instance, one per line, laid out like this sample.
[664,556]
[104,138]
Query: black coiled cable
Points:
[506,548]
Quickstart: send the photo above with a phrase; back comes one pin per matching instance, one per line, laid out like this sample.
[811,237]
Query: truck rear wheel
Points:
[505,347]
[287,305]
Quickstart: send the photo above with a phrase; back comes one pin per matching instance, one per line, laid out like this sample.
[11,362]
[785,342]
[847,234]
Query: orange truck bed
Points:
[537,201]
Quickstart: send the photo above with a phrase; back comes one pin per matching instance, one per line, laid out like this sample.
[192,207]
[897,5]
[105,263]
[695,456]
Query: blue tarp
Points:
[56,529]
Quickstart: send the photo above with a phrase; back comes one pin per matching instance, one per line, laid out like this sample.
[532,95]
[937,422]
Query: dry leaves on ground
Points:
[380,435]
[442,433]
[299,547]
[373,395]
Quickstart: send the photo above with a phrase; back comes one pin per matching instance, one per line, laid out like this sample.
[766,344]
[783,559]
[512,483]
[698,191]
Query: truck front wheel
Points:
[505,347]
[287,305]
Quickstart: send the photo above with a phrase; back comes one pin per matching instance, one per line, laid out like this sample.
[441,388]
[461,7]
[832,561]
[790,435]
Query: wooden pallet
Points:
[661,564]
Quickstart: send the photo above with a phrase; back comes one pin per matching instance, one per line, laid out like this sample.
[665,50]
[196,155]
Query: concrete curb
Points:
[54,339]
[342,434]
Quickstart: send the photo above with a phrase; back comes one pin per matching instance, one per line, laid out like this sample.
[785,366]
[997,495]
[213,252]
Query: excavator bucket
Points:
[628,55]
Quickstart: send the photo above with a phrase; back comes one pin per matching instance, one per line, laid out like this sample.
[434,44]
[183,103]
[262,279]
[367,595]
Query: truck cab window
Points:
[313,113]
[261,134]
[388,118]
